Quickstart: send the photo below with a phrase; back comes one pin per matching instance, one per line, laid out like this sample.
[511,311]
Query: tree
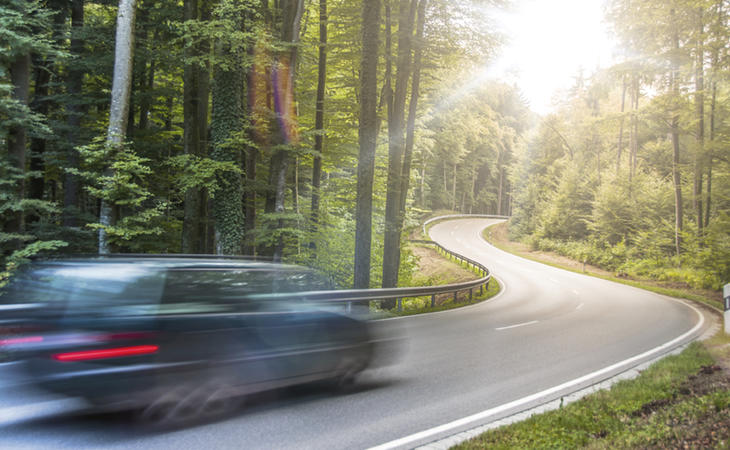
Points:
[319,119]
[367,140]
[119,109]
[74,113]
[25,30]
[396,143]
[226,121]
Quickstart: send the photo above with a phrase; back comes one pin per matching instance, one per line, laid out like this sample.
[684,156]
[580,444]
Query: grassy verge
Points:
[496,235]
[435,269]
[681,401]
[420,305]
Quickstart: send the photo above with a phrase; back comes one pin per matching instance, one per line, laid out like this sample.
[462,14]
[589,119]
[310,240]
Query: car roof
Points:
[170,262]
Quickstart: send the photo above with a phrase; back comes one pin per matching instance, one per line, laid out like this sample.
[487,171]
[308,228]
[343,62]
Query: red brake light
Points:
[21,340]
[106,353]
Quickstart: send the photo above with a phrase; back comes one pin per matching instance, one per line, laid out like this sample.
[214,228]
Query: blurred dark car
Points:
[176,338]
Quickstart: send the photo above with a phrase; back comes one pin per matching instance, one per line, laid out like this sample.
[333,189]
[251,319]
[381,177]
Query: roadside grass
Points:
[420,305]
[442,270]
[682,400]
[514,248]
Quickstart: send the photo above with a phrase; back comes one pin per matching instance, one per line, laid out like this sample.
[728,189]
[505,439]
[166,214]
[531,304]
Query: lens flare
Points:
[271,98]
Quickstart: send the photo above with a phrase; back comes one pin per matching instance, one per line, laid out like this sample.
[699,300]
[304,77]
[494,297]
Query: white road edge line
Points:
[536,396]
[516,325]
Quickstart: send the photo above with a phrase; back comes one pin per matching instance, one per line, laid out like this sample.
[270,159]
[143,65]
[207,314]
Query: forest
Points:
[318,132]
[631,172]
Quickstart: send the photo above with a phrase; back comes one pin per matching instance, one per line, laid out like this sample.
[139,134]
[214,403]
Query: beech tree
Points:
[367,140]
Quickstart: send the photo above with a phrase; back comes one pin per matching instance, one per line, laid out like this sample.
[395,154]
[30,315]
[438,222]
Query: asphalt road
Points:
[549,333]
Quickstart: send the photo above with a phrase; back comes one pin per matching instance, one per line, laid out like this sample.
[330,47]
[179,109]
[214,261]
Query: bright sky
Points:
[548,42]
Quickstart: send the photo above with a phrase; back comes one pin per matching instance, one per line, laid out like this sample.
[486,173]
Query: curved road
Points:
[550,332]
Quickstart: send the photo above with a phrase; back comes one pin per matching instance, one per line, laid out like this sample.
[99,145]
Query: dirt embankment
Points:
[435,269]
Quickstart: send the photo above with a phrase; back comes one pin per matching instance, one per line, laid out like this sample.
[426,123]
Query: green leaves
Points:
[193,171]
[119,176]
[23,255]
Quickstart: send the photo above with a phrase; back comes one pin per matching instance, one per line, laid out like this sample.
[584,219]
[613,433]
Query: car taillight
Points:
[21,340]
[106,353]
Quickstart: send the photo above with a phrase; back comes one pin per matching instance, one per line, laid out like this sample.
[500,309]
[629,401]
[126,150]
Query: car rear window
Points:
[121,289]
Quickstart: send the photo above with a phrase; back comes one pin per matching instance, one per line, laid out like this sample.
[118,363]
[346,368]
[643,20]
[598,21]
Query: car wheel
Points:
[190,403]
[348,370]
[219,399]
[170,409]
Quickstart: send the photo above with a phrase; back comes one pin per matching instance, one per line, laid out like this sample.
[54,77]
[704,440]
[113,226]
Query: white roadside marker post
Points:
[726,297]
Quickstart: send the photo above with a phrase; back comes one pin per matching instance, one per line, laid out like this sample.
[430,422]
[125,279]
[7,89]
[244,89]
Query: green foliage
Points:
[196,172]
[19,257]
[24,29]
[564,214]
[16,247]
[117,175]
[597,180]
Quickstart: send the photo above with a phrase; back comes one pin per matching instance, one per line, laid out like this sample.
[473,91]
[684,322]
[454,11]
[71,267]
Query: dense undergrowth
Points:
[700,266]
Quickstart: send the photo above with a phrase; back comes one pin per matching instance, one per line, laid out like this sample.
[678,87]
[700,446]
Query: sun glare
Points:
[548,43]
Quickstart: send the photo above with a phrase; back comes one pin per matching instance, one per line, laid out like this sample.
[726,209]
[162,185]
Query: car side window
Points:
[198,290]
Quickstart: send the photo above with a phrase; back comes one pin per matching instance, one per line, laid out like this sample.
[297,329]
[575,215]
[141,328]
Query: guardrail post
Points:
[400,304]
[433,300]
[470,293]
[481,289]
[456,296]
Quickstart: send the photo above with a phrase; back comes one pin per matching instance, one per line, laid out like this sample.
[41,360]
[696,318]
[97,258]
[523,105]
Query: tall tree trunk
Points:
[500,187]
[634,138]
[713,102]
[40,105]
[621,124]
[207,222]
[422,182]
[367,135]
[319,121]
[120,99]
[121,90]
[674,131]
[473,188]
[396,146]
[74,113]
[284,79]
[226,120]
[17,136]
[249,247]
[191,236]
[453,189]
[386,94]
[700,107]
[412,110]
[149,85]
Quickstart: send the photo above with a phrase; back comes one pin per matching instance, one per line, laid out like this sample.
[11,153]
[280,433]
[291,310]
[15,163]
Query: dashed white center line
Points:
[516,325]
[576,292]
[579,306]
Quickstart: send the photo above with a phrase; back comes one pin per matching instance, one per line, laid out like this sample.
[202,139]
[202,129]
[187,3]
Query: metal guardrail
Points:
[361,295]
[465,216]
